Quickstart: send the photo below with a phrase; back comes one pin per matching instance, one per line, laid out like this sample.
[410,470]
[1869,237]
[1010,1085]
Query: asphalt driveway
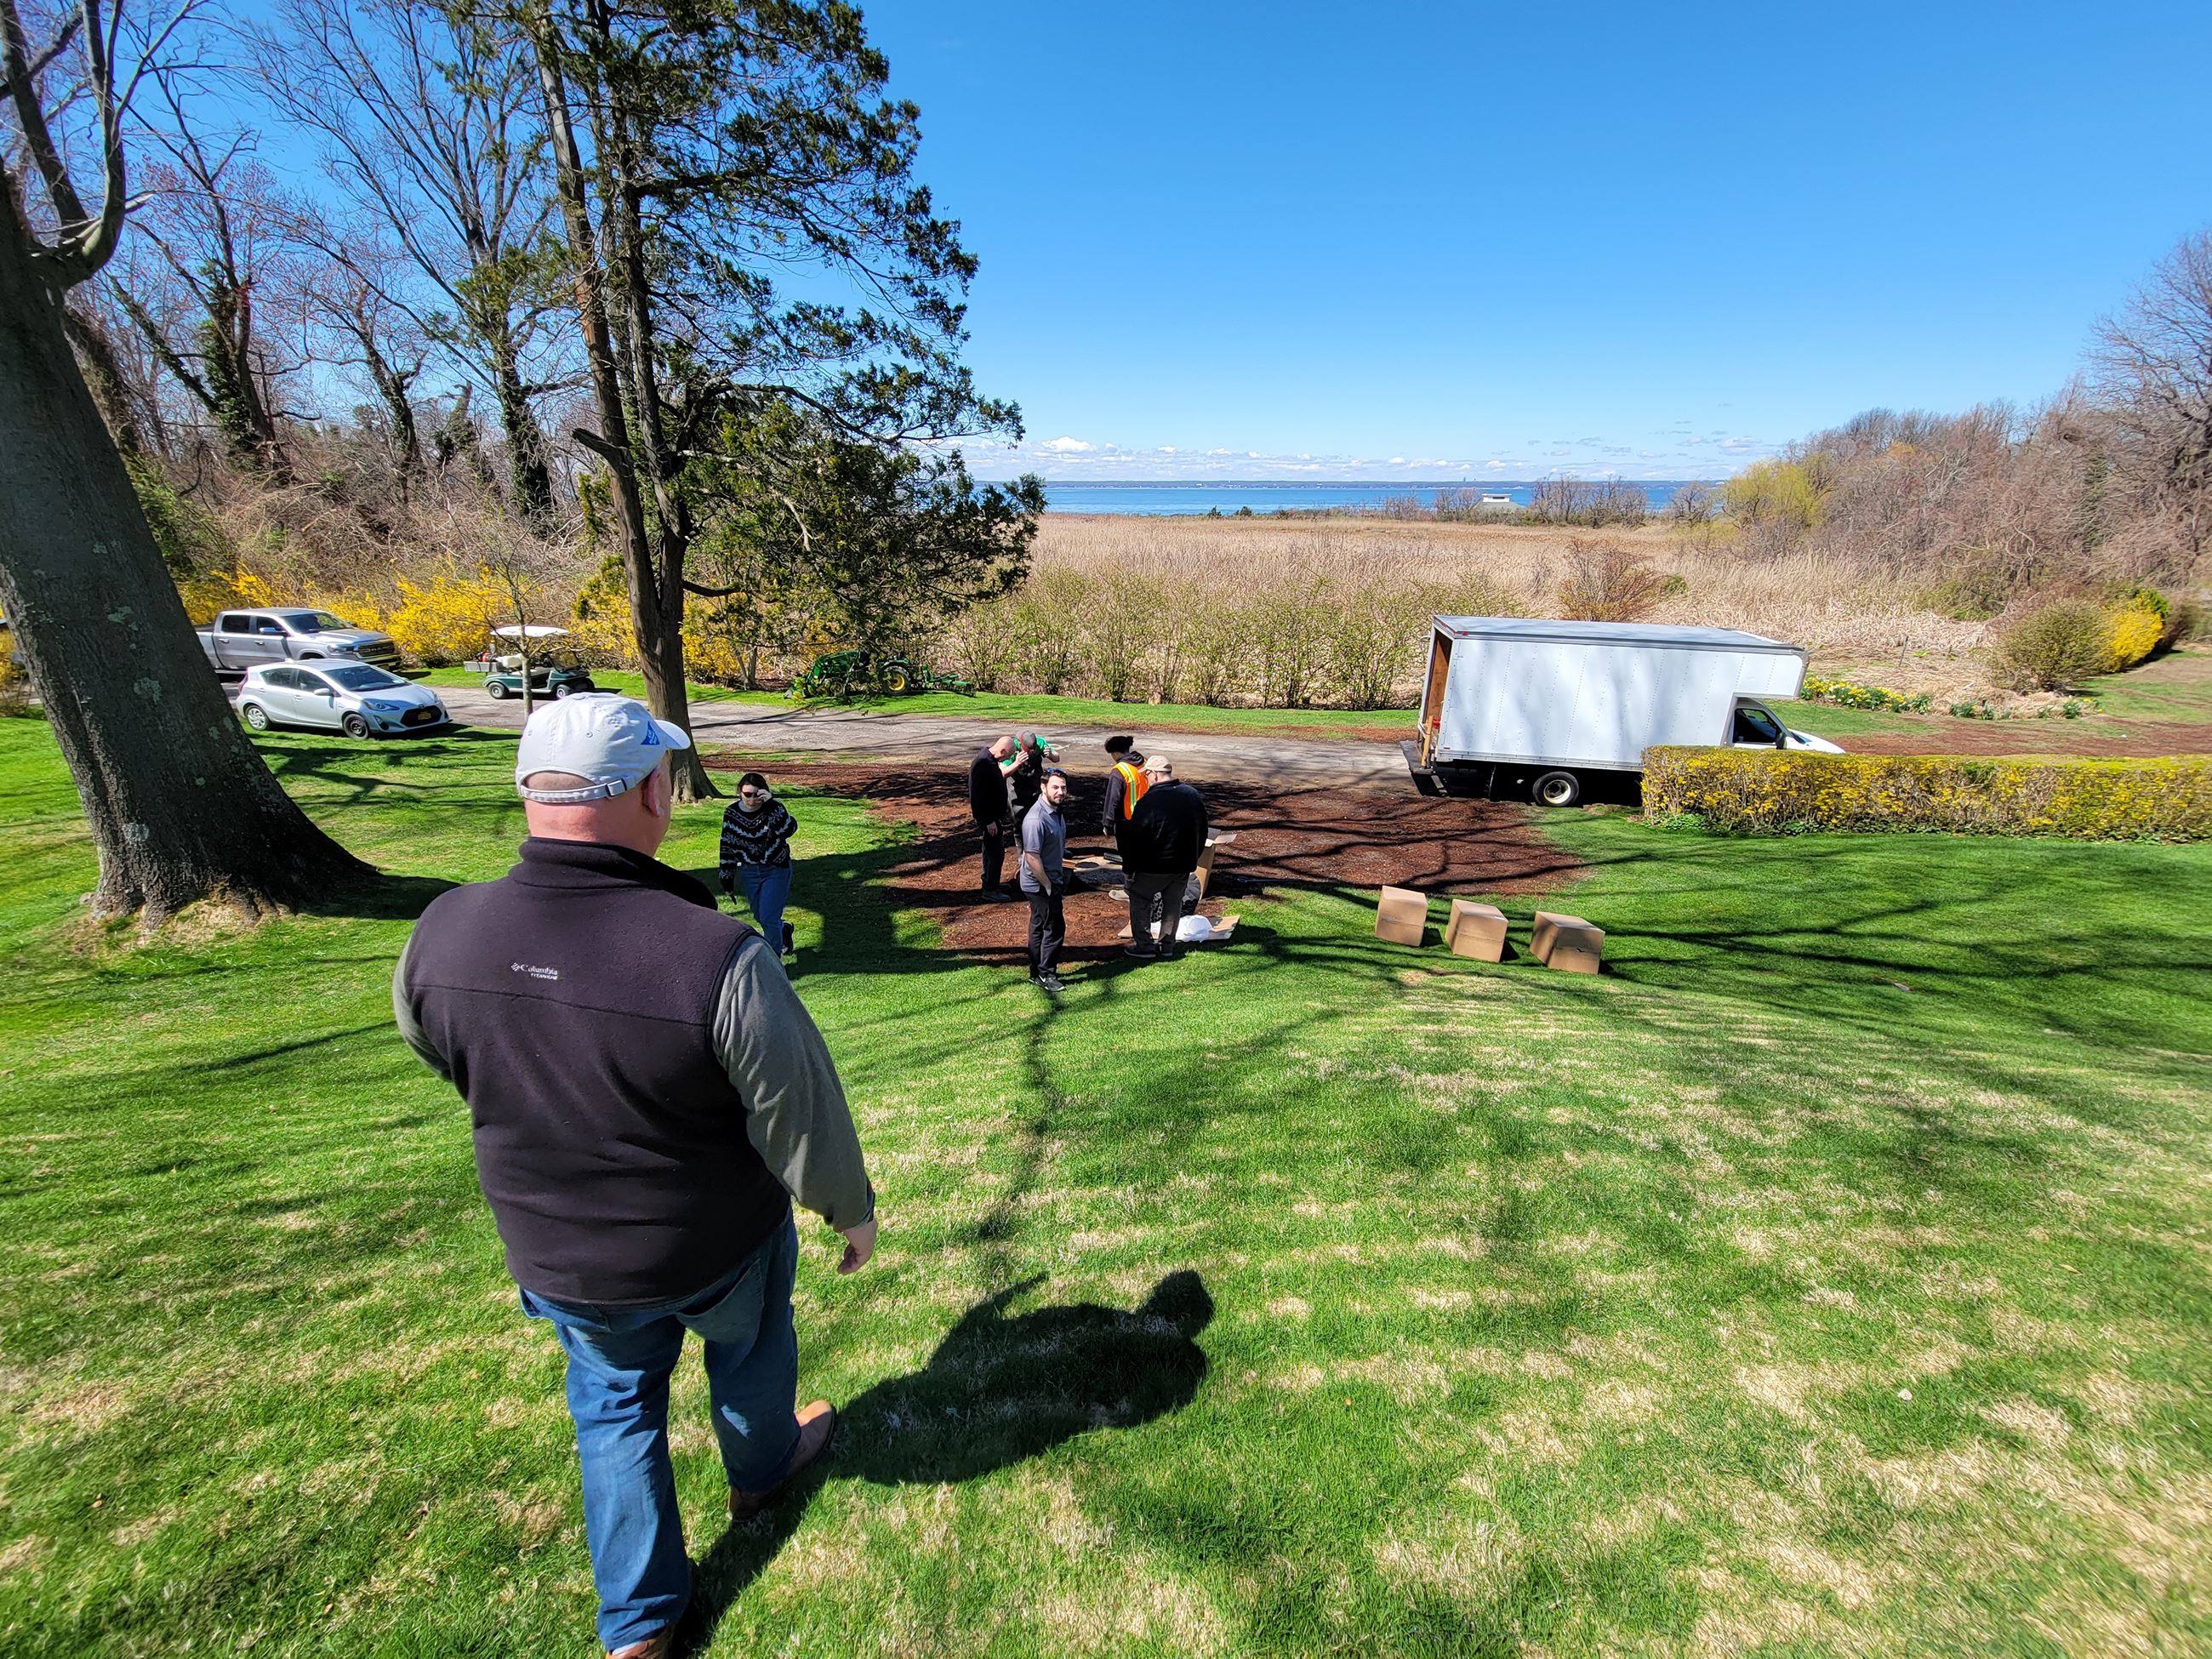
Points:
[946,740]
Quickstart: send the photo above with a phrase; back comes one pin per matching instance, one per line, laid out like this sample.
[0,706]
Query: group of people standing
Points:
[1017,792]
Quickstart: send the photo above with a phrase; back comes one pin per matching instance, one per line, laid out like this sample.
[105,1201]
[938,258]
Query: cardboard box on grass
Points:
[1567,943]
[1401,915]
[1205,858]
[1475,930]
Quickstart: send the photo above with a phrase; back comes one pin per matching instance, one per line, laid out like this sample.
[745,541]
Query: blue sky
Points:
[1414,240]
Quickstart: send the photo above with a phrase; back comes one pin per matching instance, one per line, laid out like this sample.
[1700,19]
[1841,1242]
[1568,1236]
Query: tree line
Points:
[664,270]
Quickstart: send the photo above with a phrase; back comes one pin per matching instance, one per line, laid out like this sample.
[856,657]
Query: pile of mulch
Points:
[1343,839]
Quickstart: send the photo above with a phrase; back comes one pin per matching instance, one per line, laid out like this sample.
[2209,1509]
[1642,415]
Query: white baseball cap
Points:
[612,740]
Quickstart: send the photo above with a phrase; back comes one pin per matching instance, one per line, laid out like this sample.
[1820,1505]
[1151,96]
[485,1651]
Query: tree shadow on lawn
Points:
[999,1391]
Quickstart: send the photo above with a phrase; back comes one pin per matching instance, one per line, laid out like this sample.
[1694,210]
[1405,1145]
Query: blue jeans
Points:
[766,892]
[619,1360]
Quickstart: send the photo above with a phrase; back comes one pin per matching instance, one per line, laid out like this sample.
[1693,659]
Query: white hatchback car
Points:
[356,698]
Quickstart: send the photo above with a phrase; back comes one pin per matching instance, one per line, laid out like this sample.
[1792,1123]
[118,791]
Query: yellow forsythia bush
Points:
[2132,633]
[450,617]
[1764,792]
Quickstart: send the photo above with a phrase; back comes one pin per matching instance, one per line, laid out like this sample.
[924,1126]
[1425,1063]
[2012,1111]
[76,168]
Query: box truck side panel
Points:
[1504,695]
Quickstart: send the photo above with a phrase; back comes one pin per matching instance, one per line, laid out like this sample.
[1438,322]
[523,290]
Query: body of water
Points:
[1187,498]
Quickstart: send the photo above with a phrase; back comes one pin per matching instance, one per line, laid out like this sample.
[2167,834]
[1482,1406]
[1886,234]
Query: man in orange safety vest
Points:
[1125,785]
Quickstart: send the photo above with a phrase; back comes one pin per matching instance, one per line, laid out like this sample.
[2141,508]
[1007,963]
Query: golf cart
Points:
[554,669]
[840,673]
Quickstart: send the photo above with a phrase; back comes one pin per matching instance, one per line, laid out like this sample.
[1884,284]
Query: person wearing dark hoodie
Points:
[1160,848]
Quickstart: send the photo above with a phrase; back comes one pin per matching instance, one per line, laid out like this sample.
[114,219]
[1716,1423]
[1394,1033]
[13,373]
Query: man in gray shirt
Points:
[1044,879]
[648,1097]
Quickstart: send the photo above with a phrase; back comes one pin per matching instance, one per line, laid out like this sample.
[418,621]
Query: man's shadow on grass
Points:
[997,1391]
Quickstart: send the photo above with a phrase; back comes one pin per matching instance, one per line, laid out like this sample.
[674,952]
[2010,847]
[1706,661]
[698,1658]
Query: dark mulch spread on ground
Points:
[2095,739]
[1355,839]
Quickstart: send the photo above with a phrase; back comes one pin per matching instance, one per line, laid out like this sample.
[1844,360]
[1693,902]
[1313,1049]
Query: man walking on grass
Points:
[1044,879]
[648,1096]
[988,798]
[1160,848]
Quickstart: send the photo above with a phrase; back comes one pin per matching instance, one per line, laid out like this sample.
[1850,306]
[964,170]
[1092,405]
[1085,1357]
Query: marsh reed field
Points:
[1334,611]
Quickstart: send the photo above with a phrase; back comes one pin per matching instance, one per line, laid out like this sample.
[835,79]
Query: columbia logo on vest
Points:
[533,970]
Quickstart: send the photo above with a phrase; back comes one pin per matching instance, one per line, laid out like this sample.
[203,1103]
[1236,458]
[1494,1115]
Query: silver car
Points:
[356,698]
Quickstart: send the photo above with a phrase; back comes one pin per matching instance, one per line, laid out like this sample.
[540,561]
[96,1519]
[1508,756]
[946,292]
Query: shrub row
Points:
[1752,792]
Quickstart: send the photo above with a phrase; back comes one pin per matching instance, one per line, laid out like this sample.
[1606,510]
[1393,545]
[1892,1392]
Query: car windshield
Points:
[363,678]
[313,622]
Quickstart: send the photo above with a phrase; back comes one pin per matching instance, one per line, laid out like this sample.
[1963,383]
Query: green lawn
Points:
[2177,687]
[1828,1277]
[619,680]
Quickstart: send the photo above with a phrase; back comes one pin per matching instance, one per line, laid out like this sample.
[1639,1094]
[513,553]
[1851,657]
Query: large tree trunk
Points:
[180,805]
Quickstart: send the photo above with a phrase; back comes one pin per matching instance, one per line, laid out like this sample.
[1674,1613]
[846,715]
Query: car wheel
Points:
[563,689]
[497,689]
[255,715]
[354,726]
[1557,789]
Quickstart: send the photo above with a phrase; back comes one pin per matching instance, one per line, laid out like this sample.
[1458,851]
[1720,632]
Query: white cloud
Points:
[1069,446]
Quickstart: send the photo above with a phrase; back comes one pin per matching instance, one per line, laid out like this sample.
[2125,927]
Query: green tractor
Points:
[844,673]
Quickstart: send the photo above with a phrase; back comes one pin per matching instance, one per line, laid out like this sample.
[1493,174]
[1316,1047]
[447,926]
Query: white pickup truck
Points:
[239,640]
[1523,708]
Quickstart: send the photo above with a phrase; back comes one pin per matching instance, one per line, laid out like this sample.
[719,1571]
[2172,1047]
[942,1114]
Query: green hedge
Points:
[1765,792]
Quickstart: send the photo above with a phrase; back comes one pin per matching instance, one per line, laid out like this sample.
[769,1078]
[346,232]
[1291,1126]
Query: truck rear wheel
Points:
[1556,789]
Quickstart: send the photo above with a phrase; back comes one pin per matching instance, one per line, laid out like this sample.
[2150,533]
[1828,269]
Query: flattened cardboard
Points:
[1401,915]
[1567,943]
[1475,930]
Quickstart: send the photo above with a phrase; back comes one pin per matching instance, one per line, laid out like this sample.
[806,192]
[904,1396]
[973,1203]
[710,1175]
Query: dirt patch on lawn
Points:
[1345,839]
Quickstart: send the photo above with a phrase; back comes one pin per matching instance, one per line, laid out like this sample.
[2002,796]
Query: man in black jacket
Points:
[991,804]
[1160,847]
[1126,784]
[648,1096]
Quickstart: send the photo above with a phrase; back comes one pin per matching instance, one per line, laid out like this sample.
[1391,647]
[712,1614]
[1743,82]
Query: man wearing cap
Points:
[648,1096]
[1160,850]
[1126,784]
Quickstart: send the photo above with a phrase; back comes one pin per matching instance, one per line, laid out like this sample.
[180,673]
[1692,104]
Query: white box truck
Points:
[1521,708]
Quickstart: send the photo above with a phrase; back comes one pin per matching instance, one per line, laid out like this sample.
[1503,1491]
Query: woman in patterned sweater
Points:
[757,832]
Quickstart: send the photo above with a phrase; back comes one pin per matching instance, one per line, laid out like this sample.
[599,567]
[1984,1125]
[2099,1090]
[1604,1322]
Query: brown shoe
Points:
[658,1645]
[816,1423]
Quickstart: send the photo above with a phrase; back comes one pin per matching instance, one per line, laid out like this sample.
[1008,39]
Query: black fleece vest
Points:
[573,999]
